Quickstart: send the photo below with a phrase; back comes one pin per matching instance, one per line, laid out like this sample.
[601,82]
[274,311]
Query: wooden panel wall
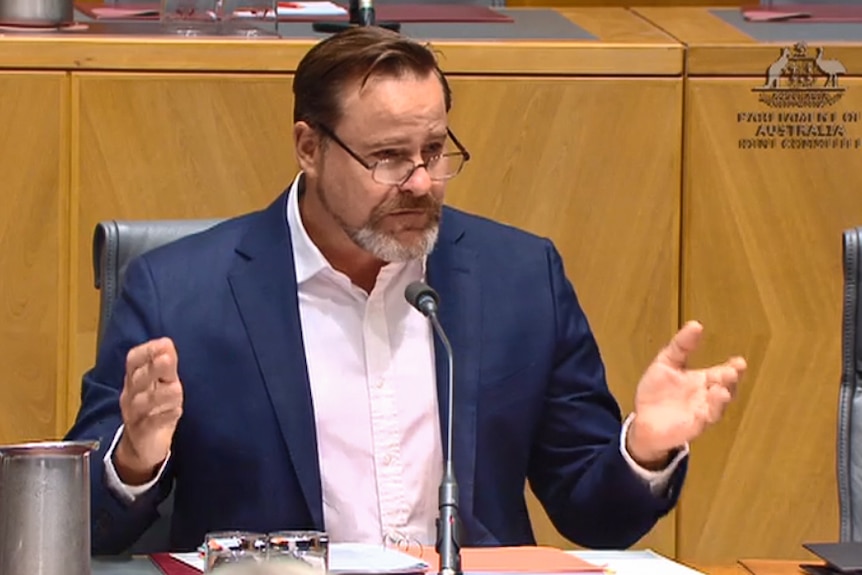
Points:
[762,268]
[149,146]
[33,253]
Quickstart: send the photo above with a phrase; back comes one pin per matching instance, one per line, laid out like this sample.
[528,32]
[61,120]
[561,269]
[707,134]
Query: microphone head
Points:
[423,297]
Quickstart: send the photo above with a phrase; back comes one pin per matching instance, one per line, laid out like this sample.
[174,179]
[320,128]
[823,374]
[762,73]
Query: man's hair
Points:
[356,54]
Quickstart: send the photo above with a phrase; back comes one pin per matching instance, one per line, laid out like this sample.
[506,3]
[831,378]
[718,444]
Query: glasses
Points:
[397,171]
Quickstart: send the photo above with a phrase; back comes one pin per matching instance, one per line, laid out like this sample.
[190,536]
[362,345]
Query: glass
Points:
[226,547]
[396,171]
[190,17]
[310,547]
[245,17]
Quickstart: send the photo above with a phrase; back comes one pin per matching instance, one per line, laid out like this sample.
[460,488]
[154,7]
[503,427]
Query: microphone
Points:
[361,13]
[422,297]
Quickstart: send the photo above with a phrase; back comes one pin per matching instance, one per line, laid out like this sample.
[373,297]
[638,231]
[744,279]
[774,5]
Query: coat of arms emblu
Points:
[792,80]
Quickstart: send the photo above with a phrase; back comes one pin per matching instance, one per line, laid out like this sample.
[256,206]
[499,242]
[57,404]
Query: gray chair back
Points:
[850,401]
[115,244]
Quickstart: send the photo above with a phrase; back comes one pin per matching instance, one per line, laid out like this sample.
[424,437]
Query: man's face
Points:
[388,118]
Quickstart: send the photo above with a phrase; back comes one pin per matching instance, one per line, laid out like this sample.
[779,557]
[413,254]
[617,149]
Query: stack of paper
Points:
[646,562]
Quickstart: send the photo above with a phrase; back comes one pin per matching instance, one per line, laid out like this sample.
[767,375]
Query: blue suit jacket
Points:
[531,400]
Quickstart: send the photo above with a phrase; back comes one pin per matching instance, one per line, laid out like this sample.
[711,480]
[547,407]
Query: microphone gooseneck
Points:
[448,545]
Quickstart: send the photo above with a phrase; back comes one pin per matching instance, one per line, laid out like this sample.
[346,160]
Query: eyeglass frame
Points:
[371,167]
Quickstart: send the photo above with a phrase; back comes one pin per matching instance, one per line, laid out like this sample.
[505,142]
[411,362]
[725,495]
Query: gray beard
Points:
[386,248]
[383,246]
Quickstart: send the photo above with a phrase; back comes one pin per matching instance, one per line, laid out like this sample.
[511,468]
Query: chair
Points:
[115,244]
[850,402]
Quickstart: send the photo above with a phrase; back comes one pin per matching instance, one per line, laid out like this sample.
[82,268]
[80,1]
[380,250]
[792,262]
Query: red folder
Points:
[802,13]
[522,559]
[170,566]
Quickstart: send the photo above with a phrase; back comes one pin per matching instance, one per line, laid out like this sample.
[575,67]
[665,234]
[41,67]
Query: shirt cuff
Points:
[127,493]
[656,480]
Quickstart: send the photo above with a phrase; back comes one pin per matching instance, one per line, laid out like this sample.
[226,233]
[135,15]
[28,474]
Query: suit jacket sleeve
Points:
[115,523]
[577,471]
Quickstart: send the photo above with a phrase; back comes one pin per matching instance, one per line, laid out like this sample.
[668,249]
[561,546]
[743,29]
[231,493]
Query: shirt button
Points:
[387,459]
[380,382]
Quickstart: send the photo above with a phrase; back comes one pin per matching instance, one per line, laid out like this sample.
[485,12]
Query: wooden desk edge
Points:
[282,56]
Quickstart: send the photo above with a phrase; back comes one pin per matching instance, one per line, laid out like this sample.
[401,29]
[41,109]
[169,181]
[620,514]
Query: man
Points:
[271,370]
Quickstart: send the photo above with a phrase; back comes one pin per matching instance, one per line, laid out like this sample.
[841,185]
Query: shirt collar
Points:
[306,257]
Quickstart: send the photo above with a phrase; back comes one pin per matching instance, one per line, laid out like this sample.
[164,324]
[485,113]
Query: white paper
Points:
[646,562]
[319,8]
[368,558]
[309,8]
[191,559]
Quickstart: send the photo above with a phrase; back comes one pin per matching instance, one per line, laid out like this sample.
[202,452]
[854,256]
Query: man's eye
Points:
[387,154]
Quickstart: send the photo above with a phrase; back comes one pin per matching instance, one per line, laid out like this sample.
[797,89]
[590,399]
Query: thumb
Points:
[682,345]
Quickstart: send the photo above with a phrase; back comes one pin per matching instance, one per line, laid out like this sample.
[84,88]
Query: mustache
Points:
[410,202]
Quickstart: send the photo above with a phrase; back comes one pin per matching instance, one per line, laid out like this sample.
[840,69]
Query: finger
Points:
[738,363]
[726,375]
[160,399]
[140,380]
[163,367]
[682,345]
[717,398]
[141,355]
[166,396]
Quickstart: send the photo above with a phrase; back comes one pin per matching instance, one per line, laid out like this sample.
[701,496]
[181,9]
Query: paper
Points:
[296,9]
[368,558]
[194,559]
[646,562]
[309,9]
[347,558]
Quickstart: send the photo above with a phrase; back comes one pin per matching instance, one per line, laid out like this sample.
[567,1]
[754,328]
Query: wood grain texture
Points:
[33,244]
[716,48]
[641,53]
[692,25]
[762,269]
[162,146]
[609,25]
[592,164]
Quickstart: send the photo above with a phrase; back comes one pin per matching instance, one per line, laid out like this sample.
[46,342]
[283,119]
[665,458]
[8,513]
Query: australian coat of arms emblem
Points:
[799,80]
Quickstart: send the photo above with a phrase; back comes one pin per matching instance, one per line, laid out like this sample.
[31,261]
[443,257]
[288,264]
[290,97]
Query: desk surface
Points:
[614,41]
[722,43]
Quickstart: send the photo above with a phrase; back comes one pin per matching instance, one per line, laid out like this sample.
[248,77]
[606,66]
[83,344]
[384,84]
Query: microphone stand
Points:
[448,544]
[361,13]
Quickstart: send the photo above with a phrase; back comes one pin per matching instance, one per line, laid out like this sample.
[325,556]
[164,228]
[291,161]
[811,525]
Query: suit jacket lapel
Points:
[264,287]
[452,272]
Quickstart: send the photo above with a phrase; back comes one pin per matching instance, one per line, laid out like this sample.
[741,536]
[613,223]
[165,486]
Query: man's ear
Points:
[306,142]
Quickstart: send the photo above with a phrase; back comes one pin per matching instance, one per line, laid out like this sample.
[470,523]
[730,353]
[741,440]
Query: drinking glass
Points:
[190,17]
[225,547]
[311,547]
